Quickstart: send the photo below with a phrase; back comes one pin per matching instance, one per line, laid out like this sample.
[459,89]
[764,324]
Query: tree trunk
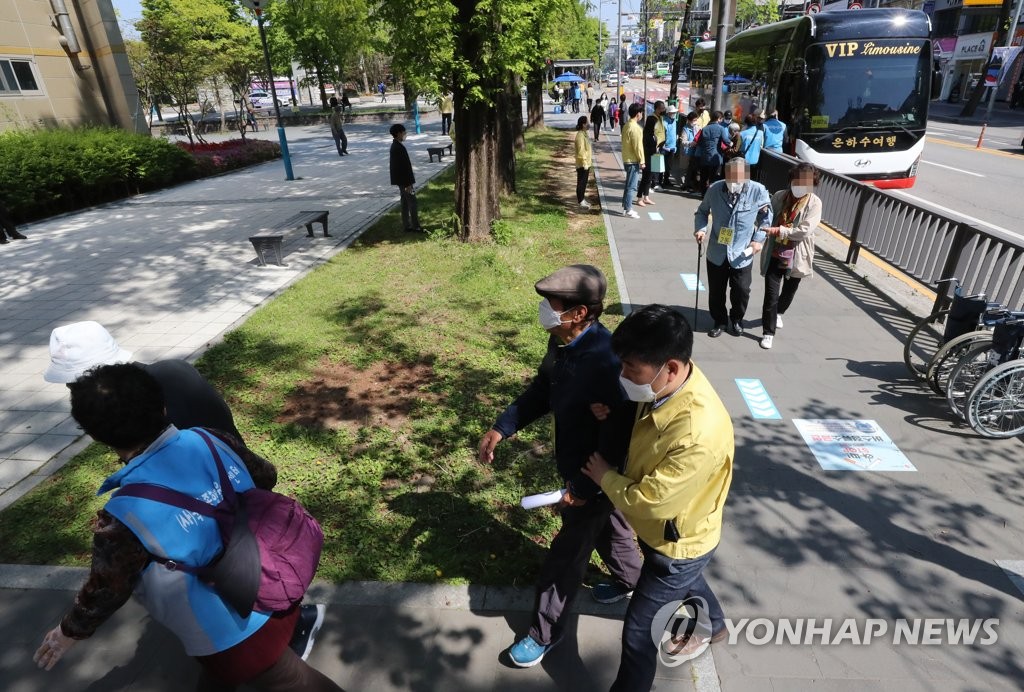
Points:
[409,95]
[362,72]
[515,87]
[677,57]
[999,40]
[535,99]
[506,139]
[476,177]
[323,90]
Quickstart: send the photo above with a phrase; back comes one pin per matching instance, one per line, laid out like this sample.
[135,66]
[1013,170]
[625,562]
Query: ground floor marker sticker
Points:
[758,401]
[852,445]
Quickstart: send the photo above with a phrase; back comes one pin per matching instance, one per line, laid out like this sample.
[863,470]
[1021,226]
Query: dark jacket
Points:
[401,166]
[568,381]
[709,151]
[191,401]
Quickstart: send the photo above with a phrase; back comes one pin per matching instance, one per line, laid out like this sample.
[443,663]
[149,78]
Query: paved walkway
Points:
[798,542]
[169,272]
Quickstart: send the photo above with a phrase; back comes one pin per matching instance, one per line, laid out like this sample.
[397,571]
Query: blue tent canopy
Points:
[569,77]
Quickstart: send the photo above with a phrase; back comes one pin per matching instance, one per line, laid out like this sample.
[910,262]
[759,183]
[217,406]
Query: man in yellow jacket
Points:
[672,491]
[632,158]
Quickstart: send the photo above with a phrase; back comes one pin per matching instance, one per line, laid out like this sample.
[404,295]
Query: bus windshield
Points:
[868,83]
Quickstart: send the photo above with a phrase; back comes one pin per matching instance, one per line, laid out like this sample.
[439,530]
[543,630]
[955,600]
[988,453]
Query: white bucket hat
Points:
[74,348]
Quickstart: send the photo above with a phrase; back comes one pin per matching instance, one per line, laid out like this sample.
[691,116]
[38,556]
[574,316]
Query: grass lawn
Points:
[369,383]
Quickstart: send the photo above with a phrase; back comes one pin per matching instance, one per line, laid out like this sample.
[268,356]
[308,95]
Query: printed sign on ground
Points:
[852,445]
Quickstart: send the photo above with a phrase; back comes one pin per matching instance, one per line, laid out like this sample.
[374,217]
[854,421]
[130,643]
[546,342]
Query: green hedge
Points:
[47,172]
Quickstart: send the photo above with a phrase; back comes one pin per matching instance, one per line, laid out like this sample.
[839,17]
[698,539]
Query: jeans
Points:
[662,581]
[779,290]
[410,210]
[738,281]
[595,525]
[340,140]
[632,177]
[582,178]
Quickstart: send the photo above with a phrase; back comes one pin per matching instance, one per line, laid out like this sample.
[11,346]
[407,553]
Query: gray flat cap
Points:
[578,284]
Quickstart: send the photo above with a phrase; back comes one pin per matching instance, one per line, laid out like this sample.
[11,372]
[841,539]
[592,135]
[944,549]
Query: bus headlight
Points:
[913,169]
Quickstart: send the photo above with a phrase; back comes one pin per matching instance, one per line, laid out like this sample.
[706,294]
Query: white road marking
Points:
[958,170]
[956,213]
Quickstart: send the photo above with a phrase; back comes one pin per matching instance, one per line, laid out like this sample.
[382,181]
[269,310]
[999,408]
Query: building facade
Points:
[63,63]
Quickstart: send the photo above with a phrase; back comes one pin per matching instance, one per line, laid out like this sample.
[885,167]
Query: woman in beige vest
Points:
[788,256]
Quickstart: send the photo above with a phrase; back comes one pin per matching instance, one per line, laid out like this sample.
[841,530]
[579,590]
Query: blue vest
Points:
[774,134]
[670,133]
[751,142]
[180,460]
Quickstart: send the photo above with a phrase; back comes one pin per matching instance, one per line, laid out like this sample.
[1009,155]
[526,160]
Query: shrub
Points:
[219,157]
[47,172]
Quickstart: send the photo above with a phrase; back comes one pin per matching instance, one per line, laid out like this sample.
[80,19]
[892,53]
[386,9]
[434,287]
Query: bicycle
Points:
[924,341]
[1003,346]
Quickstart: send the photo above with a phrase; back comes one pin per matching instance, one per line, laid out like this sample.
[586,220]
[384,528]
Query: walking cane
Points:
[696,289]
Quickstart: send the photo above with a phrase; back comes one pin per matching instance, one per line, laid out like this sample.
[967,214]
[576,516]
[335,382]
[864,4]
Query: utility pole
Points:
[618,56]
[255,6]
[723,33]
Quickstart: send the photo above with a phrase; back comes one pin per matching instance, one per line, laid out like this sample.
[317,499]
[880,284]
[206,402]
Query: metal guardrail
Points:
[922,244]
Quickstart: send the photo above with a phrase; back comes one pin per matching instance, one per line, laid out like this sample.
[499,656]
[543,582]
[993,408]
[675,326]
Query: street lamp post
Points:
[723,33]
[255,6]
[618,57]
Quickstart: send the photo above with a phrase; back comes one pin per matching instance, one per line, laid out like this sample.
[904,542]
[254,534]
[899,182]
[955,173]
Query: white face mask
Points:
[799,190]
[549,317]
[735,187]
[641,392]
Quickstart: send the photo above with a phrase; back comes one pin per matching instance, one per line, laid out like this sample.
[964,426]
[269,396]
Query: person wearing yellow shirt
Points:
[446,105]
[703,114]
[584,160]
[672,490]
[632,158]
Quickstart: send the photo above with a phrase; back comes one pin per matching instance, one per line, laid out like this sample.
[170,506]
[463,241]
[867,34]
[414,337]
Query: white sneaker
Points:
[658,188]
[766,341]
[584,204]
[631,214]
[778,321]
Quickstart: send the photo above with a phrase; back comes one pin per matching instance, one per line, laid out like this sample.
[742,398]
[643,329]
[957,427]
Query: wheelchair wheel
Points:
[922,343]
[949,355]
[969,369]
[995,408]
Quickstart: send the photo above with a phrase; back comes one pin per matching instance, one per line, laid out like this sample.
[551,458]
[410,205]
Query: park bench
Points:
[270,245]
[439,152]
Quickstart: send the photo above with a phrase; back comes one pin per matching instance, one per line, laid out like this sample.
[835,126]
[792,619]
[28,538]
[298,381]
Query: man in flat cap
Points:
[579,369]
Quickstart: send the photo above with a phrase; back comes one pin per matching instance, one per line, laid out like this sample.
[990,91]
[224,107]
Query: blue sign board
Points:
[852,445]
[639,49]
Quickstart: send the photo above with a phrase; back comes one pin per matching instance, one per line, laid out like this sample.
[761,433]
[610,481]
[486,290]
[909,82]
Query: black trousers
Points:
[597,525]
[779,290]
[446,123]
[582,178]
[738,283]
[709,174]
[597,130]
[644,189]
[340,140]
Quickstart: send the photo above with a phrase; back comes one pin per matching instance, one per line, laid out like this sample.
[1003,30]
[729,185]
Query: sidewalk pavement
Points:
[1002,115]
[798,541]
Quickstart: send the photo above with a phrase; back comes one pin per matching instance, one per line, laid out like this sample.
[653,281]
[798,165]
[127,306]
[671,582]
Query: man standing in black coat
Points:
[579,370]
[403,177]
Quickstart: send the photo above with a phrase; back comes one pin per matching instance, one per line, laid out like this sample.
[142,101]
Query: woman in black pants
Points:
[650,149]
[597,116]
[584,160]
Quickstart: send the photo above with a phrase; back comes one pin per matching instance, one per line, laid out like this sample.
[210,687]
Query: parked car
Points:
[261,99]
[613,81]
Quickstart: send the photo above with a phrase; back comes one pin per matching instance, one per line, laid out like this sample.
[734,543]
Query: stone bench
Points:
[439,152]
[268,246]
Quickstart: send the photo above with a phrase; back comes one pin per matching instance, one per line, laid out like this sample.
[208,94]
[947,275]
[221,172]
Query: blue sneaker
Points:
[527,652]
[610,593]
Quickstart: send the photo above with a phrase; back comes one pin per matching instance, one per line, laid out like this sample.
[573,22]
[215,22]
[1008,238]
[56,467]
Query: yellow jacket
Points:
[632,143]
[703,119]
[659,132]
[584,159]
[678,470]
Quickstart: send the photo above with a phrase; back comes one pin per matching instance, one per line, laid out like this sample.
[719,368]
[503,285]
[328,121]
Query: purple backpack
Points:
[271,543]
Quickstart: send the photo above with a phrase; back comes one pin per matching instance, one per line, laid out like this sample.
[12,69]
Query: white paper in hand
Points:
[542,499]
